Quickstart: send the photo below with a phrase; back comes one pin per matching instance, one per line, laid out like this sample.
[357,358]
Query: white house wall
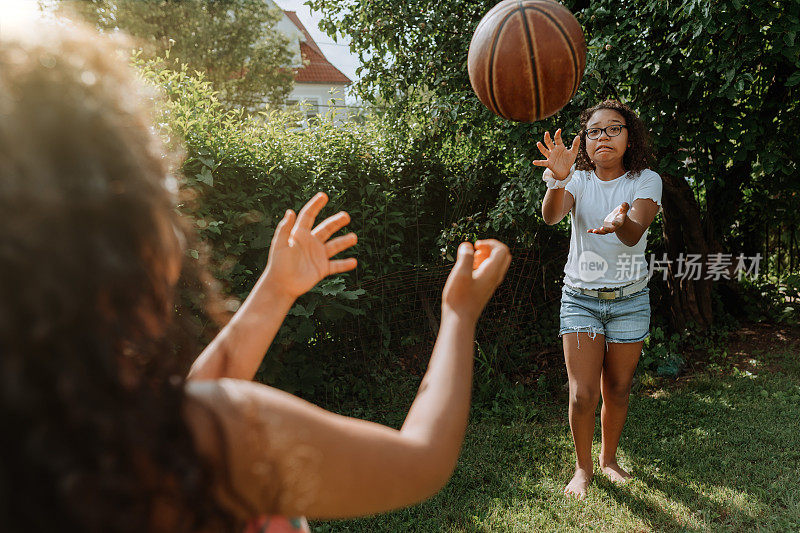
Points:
[321,95]
[295,35]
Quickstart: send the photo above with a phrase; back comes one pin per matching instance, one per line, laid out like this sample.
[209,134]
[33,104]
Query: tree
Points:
[717,81]
[233,42]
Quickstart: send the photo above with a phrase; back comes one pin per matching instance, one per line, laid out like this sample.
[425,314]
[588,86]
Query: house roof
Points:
[318,69]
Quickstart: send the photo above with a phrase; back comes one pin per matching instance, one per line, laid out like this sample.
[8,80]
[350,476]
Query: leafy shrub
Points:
[412,197]
[766,299]
[662,354]
[406,203]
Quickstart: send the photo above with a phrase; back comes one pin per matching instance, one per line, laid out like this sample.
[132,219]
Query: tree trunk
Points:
[684,233]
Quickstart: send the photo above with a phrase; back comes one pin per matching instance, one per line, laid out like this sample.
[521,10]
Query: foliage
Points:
[245,171]
[662,354]
[717,83]
[672,61]
[771,300]
[434,169]
[232,42]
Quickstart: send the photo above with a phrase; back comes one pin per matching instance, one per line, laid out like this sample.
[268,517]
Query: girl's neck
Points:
[609,173]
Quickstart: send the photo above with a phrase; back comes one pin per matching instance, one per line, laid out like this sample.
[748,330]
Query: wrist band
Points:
[552,182]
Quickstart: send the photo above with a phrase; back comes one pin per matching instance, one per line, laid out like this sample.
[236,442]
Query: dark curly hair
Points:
[94,337]
[638,156]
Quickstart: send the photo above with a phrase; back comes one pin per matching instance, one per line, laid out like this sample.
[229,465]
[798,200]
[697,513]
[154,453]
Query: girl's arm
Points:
[629,223]
[275,453]
[638,219]
[556,204]
[558,160]
[299,257]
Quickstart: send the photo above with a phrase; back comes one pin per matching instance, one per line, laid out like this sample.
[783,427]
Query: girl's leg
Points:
[618,368]
[584,366]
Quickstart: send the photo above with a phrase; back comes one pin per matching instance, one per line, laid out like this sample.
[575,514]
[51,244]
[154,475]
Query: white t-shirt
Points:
[598,261]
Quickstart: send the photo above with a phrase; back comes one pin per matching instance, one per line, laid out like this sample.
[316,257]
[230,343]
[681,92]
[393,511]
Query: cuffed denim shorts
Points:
[625,319]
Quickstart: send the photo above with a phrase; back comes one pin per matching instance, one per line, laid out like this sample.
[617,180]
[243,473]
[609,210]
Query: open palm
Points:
[300,257]
[613,221]
[558,158]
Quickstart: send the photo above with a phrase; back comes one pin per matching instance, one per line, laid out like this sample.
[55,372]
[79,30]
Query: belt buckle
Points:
[607,295]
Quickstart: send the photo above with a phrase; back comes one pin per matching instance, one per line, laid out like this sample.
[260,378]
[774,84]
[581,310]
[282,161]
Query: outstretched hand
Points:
[558,158]
[300,257]
[471,283]
[613,221]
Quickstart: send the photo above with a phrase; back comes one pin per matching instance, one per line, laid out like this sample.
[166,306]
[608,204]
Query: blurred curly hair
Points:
[91,392]
[637,157]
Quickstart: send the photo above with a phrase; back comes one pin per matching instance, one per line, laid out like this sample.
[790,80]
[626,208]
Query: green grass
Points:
[718,452]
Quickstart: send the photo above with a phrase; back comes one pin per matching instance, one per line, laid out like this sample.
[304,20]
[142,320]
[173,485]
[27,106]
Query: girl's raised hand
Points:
[558,158]
[300,257]
[613,220]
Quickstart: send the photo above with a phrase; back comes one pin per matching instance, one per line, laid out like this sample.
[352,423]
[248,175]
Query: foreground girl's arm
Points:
[292,457]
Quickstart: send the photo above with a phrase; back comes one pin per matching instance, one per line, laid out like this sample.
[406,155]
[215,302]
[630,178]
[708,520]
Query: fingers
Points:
[310,211]
[498,261]
[465,259]
[540,162]
[482,252]
[600,231]
[340,244]
[558,136]
[576,144]
[284,228]
[545,151]
[337,266]
[331,225]
[548,141]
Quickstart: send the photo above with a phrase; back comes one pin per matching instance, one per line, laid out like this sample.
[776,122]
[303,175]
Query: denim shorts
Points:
[625,319]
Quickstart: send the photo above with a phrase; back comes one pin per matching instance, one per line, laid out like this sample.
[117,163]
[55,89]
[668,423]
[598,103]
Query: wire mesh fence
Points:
[401,312]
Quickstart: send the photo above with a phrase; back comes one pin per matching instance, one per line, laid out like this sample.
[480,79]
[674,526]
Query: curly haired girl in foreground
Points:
[106,434]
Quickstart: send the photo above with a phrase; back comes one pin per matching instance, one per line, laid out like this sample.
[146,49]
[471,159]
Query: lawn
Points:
[716,450]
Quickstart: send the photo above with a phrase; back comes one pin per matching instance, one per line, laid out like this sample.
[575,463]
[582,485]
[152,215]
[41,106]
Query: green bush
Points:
[412,197]
[408,204]
[662,354]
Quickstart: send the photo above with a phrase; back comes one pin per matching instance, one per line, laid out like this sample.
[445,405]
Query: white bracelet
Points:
[552,182]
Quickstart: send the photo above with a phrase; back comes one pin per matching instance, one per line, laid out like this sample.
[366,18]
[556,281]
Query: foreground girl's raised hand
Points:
[300,257]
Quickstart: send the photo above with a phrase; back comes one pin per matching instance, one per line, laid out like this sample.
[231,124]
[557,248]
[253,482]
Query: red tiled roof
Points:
[318,69]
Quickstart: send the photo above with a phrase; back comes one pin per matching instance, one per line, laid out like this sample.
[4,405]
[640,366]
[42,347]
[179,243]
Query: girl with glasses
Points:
[603,181]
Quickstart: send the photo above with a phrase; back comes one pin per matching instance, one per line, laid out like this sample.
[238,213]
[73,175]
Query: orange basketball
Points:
[526,59]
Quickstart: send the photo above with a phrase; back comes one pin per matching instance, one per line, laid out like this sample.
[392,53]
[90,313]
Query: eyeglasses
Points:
[611,131]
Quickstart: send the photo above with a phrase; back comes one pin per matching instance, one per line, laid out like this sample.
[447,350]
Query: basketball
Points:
[526,59]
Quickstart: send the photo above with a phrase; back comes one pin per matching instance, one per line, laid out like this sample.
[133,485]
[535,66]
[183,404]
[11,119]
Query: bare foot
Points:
[614,472]
[576,488]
